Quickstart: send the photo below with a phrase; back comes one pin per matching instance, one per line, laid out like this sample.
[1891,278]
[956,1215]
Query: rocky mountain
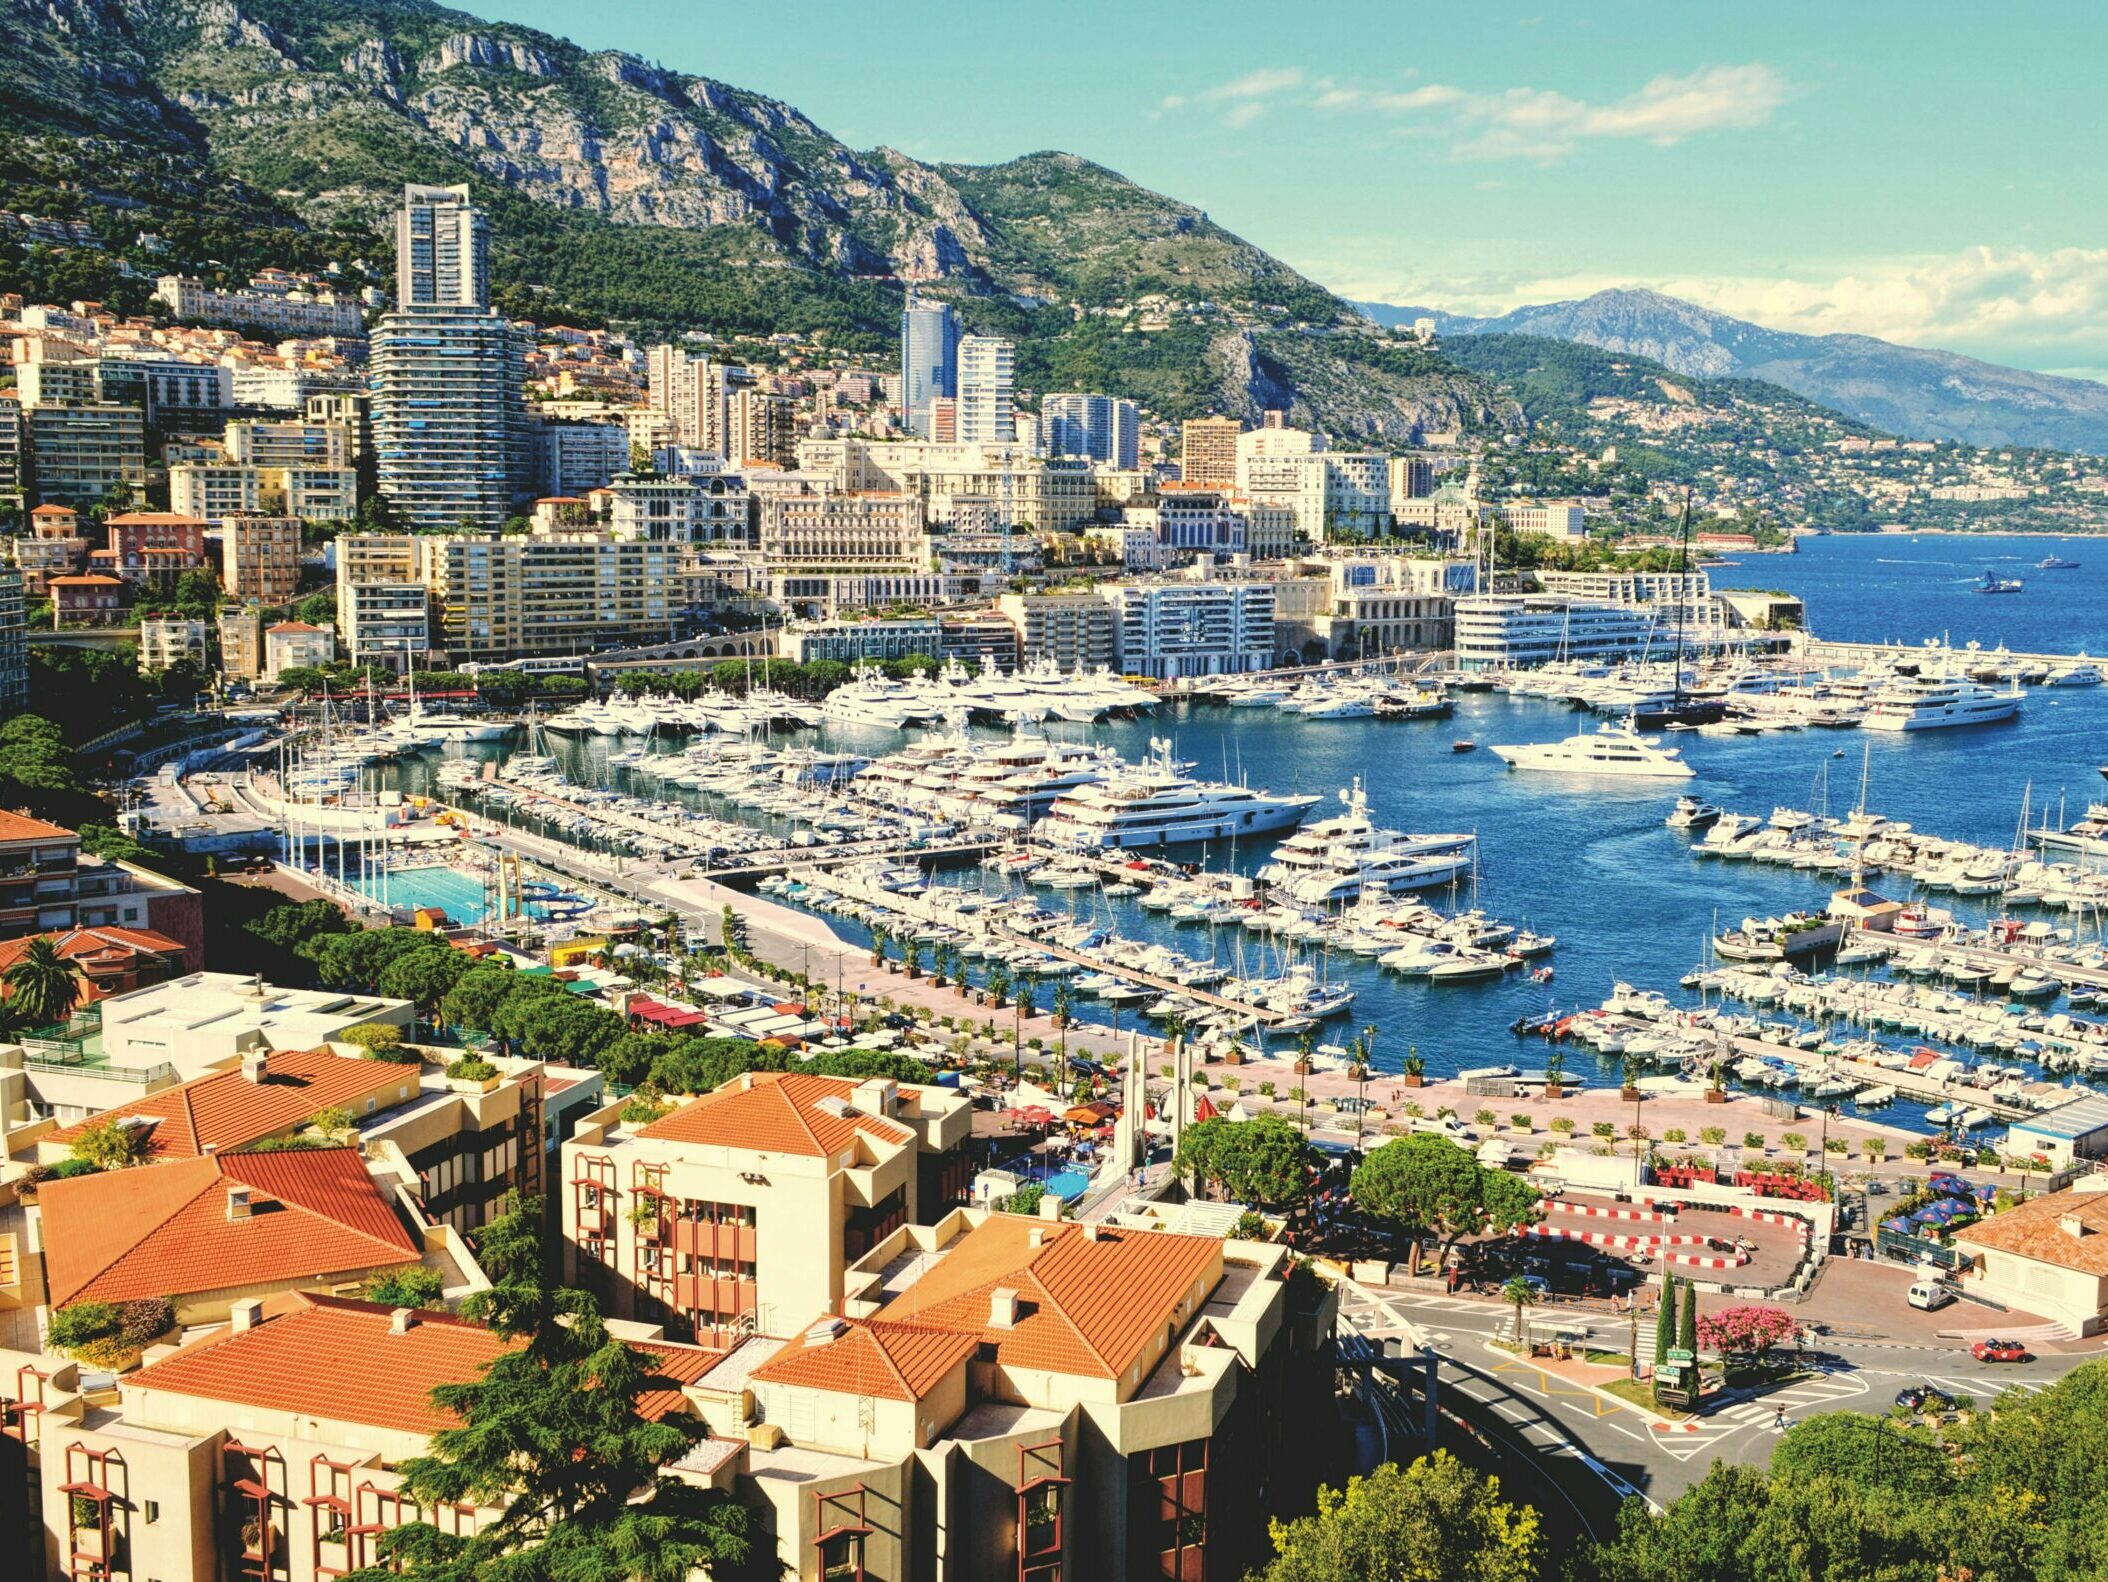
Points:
[1921,394]
[243,132]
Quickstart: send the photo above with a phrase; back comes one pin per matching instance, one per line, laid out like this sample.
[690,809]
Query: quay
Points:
[1995,956]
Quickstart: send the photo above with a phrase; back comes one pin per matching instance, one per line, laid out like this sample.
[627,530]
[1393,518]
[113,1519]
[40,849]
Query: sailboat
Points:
[1682,710]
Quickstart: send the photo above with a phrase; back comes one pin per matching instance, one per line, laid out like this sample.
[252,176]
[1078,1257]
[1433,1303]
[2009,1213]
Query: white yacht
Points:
[1610,750]
[439,729]
[875,699]
[2079,672]
[1339,858]
[1934,702]
[1155,804]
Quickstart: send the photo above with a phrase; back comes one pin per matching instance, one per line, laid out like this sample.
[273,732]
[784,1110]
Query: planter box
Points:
[1416,1082]
[472,1085]
[1715,1096]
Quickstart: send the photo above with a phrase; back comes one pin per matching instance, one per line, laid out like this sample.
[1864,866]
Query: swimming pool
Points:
[460,895]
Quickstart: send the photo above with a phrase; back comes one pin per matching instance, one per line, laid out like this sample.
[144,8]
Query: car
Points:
[1999,1351]
[1539,1286]
[1923,1398]
[1929,1295]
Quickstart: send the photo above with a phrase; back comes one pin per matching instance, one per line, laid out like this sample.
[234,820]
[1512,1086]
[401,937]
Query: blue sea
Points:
[1592,862]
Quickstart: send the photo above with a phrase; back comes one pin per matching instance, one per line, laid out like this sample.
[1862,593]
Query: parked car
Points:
[1999,1351]
[1923,1398]
[1929,1295]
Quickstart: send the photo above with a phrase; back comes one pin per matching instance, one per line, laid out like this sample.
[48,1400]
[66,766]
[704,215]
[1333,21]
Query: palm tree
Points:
[879,937]
[941,963]
[1518,1293]
[43,986]
[1063,1005]
[997,983]
[911,957]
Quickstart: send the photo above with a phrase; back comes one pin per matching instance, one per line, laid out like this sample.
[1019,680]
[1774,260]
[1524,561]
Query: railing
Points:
[145,1076]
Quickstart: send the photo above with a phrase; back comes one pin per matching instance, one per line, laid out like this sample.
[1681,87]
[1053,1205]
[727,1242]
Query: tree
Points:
[1519,1294]
[1433,1521]
[879,937]
[997,983]
[1665,1320]
[43,985]
[1687,1321]
[1264,1160]
[474,999]
[413,1286]
[552,1437]
[425,977]
[1428,1183]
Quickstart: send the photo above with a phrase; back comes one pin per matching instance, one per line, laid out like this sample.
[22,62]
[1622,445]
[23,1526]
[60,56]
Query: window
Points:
[153,1511]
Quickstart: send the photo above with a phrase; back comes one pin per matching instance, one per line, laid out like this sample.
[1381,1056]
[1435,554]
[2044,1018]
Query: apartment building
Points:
[742,1208]
[175,393]
[1098,428]
[217,491]
[281,311]
[1510,631]
[575,455]
[1073,630]
[260,558]
[54,548]
[929,361]
[1054,495]
[1563,520]
[555,593]
[859,530]
[1331,494]
[850,641]
[1208,451]
[1002,1396]
[987,390]
[383,606]
[290,645]
[76,454]
[1173,629]
[164,639]
[259,444]
[712,509]
[90,599]
[241,643]
[14,643]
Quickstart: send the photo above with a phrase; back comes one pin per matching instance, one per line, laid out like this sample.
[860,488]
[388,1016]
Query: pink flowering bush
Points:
[1745,1331]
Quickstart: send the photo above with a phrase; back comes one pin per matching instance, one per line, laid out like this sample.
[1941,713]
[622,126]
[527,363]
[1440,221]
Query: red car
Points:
[1999,1351]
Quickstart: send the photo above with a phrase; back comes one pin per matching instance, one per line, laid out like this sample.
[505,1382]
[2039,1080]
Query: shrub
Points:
[1674,1134]
[332,1121]
[1604,1129]
[374,1037]
[83,1322]
[109,1144]
[1025,1200]
[1266,1089]
[1918,1148]
[1412,1109]
[1793,1141]
[415,1286]
[1523,1123]
[1484,1118]
[1837,1145]
[145,1319]
[1250,1226]
[1563,1124]
[1753,1140]
[1713,1136]
[110,1353]
[471,1068]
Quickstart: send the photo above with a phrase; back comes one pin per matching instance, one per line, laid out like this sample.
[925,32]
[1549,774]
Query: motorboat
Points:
[1692,812]
[1338,858]
[1609,750]
[1157,804]
[1932,702]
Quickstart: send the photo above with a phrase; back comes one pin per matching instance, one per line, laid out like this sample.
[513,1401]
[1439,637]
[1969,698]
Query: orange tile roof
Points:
[673,1365]
[1084,1306]
[776,1112]
[332,1358]
[153,519]
[2035,1229]
[892,1362]
[20,826]
[94,949]
[163,1230]
[225,1110]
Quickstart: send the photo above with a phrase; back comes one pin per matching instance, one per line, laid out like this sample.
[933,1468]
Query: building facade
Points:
[1169,630]
[862,530]
[1098,428]
[260,558]
[496,598]
[1075,631]
[987,390]
[77,454]
[1208,451]
[929,367]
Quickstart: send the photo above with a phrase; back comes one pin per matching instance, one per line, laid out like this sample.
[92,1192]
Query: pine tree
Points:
[550,1436]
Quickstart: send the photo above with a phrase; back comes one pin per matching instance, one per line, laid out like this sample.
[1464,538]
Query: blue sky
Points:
[1932,172]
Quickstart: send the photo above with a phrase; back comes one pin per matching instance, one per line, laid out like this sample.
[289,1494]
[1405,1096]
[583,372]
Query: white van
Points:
[1929,1295]
[1445,1126]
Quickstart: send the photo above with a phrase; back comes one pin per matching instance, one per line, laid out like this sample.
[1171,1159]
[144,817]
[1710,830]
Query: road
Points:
[1597,1450]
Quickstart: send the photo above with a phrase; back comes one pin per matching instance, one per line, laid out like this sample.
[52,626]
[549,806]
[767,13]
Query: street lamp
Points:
[1361,1088]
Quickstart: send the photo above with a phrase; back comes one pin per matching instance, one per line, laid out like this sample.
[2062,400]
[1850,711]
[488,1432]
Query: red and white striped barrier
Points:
[1768,1216]
[1698,1260]
[1649,1214]
[1607,1238]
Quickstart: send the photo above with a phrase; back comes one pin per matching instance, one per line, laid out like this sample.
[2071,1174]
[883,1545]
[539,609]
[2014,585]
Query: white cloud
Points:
[1543,124]
[1244,114]
[1257,84]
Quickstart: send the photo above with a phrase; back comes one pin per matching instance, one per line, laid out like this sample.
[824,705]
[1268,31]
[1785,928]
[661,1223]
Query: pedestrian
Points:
[1778,1420]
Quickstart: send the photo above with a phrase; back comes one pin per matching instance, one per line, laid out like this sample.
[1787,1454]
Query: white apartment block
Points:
[1170,630]
[1074,630]
[163,641]
[497,598]
[1330,493]
[1562,520]
[293,644]
[987,390]
[260,444]
[218,491]
[573,456]
[294,313]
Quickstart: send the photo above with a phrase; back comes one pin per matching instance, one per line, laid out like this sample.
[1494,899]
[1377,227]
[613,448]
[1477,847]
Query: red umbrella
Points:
[1204,1111]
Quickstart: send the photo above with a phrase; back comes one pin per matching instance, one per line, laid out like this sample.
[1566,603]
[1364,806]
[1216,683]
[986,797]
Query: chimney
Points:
[1090,1230]
[402,1321]
[1002,1308]
[238,1204]
[2072,1225]
[246,1314]
[256,1065]
[1036,1236]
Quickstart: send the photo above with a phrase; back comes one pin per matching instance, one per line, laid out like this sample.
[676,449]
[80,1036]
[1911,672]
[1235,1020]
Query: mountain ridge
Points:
[1916,392]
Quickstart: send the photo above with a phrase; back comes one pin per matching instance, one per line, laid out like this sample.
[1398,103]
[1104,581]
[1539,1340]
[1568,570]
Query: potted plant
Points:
[1630,1092]
[1415,1069]
[1716,1086]
[1554,1075]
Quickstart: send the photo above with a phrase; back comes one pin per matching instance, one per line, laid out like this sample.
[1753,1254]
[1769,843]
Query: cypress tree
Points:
[1665,1320]
[1687,1323]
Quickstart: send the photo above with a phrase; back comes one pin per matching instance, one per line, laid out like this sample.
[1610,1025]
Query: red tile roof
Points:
[225,1110]
[96,949]
[334,1358]
[777,1112]
[20,826]
[1084,1306]
[2040,1230]
[892,1362]
[164,1230]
